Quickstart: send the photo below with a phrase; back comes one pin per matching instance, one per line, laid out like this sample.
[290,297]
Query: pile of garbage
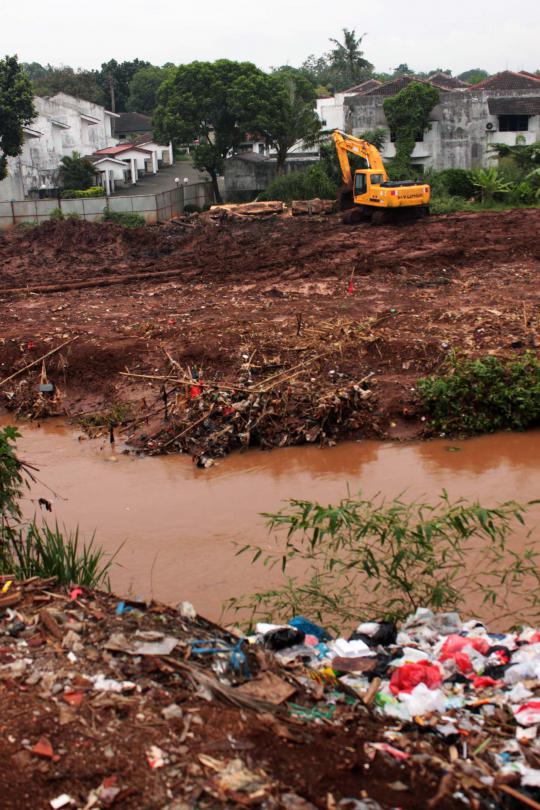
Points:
[208,419]
[124,703]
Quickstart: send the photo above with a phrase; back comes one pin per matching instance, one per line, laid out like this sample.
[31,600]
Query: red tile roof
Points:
[447,82]
[394,86]
[509,80]
[364,87]
[116,150]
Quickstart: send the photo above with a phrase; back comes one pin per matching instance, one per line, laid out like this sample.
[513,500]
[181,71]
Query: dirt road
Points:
[322,330]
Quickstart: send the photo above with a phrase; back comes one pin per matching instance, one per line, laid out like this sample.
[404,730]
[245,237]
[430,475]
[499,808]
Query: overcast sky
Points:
[456,34]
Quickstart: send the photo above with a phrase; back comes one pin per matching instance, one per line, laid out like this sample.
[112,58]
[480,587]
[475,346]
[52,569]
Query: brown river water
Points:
[178,524]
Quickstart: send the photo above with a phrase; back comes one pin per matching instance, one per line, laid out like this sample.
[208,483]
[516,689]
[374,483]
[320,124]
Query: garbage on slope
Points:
[141,705]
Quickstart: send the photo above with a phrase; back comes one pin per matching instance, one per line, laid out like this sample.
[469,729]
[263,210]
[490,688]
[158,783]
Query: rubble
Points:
[446,717]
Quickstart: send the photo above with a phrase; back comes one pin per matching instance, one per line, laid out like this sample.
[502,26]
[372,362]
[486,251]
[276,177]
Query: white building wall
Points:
[332,112]
[63,131]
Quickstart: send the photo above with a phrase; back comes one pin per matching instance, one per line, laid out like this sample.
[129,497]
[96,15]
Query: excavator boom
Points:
[348,143]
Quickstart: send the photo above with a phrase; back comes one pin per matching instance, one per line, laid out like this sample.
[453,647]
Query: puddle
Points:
[178,523]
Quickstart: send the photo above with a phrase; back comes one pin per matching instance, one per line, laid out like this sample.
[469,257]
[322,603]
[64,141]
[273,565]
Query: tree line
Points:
[133,85]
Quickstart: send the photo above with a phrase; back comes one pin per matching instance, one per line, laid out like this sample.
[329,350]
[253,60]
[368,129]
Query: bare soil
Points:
[301,329]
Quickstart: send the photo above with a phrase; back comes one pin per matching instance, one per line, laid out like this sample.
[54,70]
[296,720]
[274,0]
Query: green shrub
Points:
[27,549]
[449,205]
[75,194]
[125,218]
[307,185]
[377,559]
[190,208]
[45,552]
[484,395]
[76,171]
[457,183]
[57,214]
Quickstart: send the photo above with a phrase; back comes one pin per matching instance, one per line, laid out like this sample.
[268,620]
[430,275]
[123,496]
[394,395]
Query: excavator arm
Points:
[348,143]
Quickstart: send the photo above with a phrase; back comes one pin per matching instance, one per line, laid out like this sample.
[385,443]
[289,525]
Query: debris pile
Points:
[140,705]
[291,405]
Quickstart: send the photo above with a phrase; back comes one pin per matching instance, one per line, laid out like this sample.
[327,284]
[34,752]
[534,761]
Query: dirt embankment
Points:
[299,329]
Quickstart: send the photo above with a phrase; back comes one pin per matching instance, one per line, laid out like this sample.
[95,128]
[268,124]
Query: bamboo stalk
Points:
[519,796]
[190,427]
[186,380]
[39,360]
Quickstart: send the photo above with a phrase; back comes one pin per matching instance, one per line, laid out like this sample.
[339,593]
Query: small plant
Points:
[76,171]
[125,218]
[57,214]
[490,184]
[94,423]
[27,549]
[484,395]
[449,205]
[46,552]
[373,559]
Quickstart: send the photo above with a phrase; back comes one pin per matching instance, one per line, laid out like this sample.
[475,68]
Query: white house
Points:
[162,155]
[63,125]
[134,158]
[111,172]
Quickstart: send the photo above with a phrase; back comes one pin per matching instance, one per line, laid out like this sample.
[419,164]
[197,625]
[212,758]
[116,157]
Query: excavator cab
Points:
[364,179]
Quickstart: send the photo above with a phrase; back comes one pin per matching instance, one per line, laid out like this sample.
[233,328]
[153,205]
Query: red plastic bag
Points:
[463,662]
[484,680]
[410,675]
[455,644]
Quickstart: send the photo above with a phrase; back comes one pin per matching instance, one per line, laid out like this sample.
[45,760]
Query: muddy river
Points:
[178,524]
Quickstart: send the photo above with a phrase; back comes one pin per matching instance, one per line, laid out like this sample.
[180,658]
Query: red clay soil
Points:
[332,325]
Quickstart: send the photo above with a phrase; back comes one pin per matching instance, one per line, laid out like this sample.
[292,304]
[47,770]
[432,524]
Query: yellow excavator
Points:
[370,194]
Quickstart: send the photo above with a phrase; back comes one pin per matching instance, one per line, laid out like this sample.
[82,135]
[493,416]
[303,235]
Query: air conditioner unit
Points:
[490,127]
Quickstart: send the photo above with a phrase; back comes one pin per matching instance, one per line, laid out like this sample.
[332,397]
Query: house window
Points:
[513,123]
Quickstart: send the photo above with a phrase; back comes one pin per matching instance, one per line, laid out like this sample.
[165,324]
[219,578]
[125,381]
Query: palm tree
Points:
[348,57]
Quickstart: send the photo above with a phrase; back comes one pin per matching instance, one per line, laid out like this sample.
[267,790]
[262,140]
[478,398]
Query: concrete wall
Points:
[246,177]
[458,137]
[153,207]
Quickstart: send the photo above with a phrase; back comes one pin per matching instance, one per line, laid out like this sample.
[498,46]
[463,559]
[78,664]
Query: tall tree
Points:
[194,104]
[143,89]
[35,70]
[281,105]
[16,109]
[64,79]
[114,79]
[348,57]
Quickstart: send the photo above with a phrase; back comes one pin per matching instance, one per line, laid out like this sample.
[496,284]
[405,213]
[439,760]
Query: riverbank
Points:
[211,335]
[107,702]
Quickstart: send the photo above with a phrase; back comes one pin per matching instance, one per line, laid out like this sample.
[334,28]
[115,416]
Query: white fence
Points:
[153,207]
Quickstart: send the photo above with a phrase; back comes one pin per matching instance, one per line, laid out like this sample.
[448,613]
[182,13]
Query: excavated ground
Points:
[306,329]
